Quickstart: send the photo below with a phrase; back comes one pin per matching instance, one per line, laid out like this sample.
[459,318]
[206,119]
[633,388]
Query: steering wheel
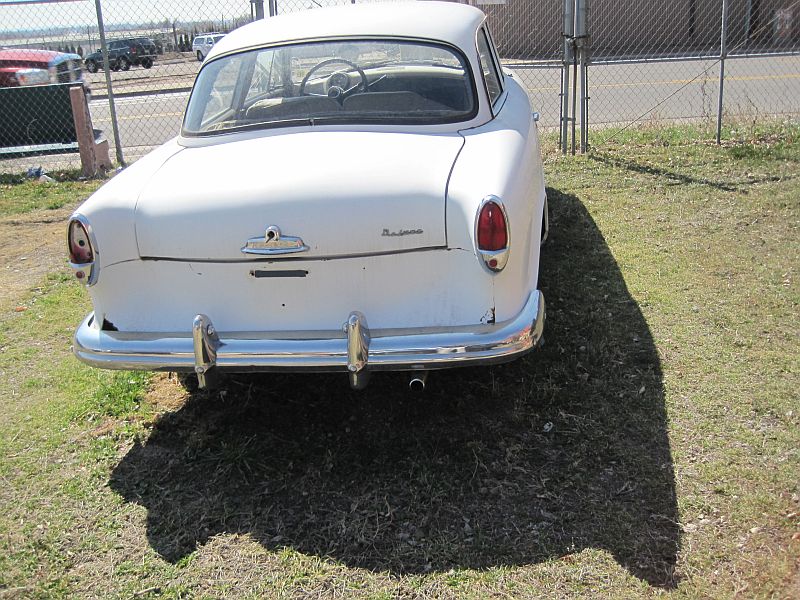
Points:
[335,92]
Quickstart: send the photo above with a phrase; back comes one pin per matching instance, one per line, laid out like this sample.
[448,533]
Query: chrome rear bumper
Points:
[355,349]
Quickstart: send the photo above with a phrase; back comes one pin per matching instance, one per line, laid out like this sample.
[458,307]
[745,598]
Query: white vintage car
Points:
[354,189]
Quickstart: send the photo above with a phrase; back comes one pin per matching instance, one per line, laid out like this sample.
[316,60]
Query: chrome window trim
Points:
[496,57]
[498,71]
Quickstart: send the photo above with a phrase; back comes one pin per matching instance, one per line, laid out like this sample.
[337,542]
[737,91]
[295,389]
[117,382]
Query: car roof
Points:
[441,21]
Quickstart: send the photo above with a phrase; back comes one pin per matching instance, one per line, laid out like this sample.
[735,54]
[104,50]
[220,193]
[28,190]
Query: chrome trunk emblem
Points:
[273,243]
[401,232]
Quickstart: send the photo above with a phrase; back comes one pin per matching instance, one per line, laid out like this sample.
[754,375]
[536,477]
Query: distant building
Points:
[532,28]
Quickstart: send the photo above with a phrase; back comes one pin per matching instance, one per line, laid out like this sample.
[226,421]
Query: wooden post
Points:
[94,155]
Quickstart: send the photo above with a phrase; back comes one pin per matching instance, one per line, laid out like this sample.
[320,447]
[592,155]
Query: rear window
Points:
[353,81]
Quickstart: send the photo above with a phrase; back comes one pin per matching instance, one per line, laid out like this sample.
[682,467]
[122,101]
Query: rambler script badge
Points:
[387,233]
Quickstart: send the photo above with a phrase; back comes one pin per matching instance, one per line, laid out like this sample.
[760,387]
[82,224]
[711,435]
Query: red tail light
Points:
[492,229]
[80,248]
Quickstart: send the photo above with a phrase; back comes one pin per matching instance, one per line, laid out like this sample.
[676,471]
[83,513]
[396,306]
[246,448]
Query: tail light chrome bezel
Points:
[493,260]
[86,273]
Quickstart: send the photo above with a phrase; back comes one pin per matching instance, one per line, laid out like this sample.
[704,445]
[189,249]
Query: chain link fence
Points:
[692,60]
[587,64]
[142,54]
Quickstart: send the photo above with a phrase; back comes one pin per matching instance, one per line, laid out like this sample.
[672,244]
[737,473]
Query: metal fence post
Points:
[584,69]
[582,43]
[723,53]
[109,88]
[257,7]
[567,33]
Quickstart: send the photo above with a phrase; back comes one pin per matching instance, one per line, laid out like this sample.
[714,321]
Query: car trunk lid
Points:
[339,193]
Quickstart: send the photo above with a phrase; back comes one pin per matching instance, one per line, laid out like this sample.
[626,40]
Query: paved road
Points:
[169,74]
[144,121]
[678,90]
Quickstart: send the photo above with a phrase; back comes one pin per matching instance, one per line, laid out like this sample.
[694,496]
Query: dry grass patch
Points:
[650,448]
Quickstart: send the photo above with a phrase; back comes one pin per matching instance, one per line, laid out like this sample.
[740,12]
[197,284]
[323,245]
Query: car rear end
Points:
[319,231]
[144,51]
[299,263]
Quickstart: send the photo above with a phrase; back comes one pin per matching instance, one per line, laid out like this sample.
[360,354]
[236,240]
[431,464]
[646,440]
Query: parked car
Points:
[202,44]
[122,54]
[21,66]
[318,213]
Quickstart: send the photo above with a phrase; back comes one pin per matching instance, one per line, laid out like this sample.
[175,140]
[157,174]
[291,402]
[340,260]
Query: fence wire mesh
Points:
[644,62]
[660,62]
[153,53]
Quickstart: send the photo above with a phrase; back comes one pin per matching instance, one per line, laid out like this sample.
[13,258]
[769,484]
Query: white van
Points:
[203,43]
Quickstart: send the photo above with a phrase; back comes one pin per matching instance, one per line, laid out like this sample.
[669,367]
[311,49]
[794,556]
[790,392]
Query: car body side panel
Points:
[502,158]
[110,210]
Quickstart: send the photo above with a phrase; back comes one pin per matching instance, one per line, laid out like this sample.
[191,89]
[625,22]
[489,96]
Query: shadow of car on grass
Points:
[562,450]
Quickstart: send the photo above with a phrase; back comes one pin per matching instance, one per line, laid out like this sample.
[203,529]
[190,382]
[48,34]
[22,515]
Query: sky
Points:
[81,13]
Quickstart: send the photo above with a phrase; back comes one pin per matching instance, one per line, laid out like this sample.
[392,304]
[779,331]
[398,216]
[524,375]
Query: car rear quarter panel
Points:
[502,158]
[110,210]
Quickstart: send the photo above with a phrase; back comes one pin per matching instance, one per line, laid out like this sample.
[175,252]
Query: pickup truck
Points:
[122,54]
[20,66]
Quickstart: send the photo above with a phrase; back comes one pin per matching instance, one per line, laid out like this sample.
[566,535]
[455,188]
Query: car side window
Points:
[267,74]
[221,94]
[490,71]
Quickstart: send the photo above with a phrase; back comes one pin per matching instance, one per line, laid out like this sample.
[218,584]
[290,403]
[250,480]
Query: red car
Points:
[21,66]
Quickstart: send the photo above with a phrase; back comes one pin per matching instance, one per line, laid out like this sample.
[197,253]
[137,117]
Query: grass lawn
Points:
[20,195]
[651,448]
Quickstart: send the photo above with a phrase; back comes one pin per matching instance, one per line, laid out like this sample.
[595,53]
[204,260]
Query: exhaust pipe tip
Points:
[417,381]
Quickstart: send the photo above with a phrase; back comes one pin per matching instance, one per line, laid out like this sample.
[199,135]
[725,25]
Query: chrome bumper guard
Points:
[355,349]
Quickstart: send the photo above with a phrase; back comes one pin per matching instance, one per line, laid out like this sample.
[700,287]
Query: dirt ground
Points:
[33,245]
